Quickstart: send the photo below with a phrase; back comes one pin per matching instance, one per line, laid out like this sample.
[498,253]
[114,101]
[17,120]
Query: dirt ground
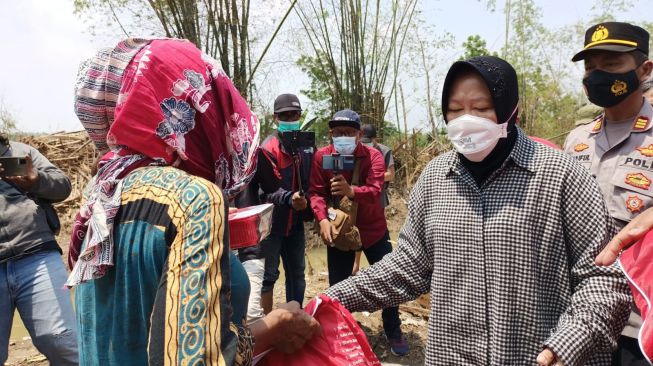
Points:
[414,314]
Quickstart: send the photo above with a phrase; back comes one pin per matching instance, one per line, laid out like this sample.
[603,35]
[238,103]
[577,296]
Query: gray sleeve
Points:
[400,276]
[601,299]
[53,185]
[389,160]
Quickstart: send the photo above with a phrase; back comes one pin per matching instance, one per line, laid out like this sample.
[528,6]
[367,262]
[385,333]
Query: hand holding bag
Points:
[344,232]
[341,342]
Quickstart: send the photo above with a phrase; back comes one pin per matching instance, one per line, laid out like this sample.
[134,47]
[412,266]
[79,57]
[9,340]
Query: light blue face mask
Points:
[345,145]
[370,144]
[288,126]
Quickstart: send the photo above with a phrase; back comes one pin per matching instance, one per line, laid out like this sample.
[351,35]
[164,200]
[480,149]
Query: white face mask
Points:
[475,137]
[345,145]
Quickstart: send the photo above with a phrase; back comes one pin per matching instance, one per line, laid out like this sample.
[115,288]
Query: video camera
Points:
[293,141]
[338,163]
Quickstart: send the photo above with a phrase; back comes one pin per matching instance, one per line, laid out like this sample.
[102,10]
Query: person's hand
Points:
[357,264]
[25,182]
[286,329]
[294,327]
[340,187]
[628,236]
[325,232]
[299,202]
[548,358]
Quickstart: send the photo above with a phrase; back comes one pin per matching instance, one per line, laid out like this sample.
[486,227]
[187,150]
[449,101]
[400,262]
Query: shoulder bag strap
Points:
[354,182]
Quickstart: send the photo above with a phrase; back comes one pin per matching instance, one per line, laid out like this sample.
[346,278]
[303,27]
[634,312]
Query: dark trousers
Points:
[341,263]
[291,251]
[628,353]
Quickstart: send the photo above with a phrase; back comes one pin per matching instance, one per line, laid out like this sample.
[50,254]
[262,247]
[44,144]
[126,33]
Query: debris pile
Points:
[74,154]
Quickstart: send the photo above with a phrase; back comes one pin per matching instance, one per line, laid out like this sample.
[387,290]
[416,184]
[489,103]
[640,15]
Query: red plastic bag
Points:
[341,342]
[637,264]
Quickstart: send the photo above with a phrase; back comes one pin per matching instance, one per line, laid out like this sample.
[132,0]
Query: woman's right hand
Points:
[286,328]
[295,327]
[325,232]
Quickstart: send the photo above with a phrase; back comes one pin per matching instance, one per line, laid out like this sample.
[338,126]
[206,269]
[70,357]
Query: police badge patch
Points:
[634,204]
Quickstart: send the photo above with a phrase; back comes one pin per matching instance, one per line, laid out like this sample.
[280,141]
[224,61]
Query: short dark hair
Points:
[4,139]
[639,56]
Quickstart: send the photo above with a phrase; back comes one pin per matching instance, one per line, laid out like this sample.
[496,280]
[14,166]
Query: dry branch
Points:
[73,153]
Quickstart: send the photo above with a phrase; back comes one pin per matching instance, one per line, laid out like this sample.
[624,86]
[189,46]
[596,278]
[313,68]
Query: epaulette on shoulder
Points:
[597,123]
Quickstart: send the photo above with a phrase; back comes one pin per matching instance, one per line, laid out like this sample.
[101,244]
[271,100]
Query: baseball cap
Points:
[346,118]
[287,102]
[615,37]
[369,132]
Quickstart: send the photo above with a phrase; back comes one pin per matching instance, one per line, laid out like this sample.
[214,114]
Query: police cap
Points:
[615,37]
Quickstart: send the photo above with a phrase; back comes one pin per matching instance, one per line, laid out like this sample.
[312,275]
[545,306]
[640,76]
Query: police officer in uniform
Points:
[617,146]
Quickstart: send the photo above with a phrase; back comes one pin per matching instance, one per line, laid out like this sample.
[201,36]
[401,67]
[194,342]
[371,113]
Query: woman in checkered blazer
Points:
[502,231]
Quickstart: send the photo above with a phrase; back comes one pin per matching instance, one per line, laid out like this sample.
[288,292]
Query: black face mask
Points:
[607,89]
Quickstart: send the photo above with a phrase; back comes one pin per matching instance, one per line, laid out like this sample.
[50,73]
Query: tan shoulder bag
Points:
[344,232]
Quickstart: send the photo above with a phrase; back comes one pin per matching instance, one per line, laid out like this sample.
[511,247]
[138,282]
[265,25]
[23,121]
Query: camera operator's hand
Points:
[299,202]
[26,182]
[325,232]
[340,187]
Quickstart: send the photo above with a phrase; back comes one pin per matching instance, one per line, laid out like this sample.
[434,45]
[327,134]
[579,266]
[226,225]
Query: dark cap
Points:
[615,37]
[346,118]
[287,102]
[369,132]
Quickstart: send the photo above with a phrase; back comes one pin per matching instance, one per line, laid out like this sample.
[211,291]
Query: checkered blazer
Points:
[510,265]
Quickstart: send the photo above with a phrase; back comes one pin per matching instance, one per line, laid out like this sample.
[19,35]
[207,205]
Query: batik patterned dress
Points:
[165,301]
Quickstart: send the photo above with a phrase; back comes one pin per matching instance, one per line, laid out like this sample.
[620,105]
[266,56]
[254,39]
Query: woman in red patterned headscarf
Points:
[149,248]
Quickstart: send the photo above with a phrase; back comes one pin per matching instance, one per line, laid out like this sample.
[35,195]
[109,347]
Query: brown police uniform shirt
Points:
[623,168]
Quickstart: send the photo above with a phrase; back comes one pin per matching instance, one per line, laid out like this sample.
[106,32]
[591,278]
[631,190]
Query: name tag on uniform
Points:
[582,152]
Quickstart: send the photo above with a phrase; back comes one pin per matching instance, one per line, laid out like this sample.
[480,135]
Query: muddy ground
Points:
[414,314]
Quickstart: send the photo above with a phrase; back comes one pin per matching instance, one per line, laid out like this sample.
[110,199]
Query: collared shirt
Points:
[623,167]
[617,131]
[370,218]
[509,265]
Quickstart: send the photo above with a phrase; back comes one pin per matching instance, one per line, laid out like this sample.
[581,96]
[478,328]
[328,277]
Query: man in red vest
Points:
[287,239]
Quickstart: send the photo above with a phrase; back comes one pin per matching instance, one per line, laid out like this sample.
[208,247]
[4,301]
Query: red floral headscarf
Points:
[155,102]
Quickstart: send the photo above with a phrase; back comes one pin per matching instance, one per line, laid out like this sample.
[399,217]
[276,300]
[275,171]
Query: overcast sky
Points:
[43,43]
